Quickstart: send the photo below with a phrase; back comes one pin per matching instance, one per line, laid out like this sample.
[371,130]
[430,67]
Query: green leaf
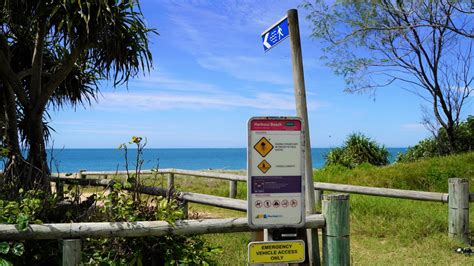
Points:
[18,249]
[127,185]
[4,247]
[4,262]
[22,221]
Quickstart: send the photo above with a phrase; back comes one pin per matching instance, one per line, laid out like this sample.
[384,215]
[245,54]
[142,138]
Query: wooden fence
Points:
[335,234]
[458,196]
[335,238]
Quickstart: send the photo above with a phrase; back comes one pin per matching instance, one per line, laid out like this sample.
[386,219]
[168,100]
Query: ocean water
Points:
[72,160]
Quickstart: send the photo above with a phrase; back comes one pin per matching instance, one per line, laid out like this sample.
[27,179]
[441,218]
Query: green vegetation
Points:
[116,206]
[111,205]
[358,149]
[169,250]
[426,175]
[69,47]
[439,145]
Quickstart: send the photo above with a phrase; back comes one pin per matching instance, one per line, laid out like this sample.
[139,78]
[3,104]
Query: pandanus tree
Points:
[53,53]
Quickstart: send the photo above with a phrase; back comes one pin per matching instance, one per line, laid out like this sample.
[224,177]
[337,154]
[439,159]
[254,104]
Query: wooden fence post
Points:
[336,245]
[80,174]
[458,202]
[71,252]
[185,208]
[318,196]
[170,182]
[59,190]
[232,189]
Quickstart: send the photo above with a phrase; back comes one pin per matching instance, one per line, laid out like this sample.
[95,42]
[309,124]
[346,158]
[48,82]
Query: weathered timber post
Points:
[71,252]
[185,208]
[170,182]
[318,197]
[232,189]
[336,245]
[458,202]
[59,189]
[80,174]
[302,111]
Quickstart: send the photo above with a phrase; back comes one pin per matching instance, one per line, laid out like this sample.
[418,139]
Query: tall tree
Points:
[52,53]
[423,46]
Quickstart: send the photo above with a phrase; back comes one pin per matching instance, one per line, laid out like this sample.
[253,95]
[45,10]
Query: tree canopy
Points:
[52,54]
[422,46]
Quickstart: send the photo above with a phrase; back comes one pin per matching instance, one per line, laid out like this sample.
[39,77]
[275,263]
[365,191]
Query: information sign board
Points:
[275,172]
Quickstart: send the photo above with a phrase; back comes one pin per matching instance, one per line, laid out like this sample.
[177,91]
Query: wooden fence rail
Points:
[222,202]
[232,178]
[136,229]
[384,192]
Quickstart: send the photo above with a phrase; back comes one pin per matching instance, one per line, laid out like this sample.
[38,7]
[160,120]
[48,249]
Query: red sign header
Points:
[275,125]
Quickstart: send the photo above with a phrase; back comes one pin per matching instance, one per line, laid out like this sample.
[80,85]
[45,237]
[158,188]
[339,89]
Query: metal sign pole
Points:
[302,111]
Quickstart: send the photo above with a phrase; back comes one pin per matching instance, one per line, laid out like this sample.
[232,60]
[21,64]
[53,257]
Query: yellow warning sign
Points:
[264,166]
[276,252]
[263,147]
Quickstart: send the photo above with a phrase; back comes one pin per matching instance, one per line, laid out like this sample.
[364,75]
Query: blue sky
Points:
[211,75]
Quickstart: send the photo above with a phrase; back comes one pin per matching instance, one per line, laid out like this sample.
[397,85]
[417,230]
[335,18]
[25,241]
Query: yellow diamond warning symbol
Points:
[264,166]
[263,147]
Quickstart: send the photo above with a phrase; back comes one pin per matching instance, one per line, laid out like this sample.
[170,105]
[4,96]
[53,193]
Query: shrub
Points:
[358,149]
[119,205]
[164,250]
[439,145]
[424,149]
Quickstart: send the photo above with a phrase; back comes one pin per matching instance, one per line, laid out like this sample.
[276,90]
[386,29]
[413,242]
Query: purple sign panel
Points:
[276,184]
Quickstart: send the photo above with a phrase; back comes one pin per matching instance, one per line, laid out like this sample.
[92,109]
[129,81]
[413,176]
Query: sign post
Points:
[302,111]
[289,26]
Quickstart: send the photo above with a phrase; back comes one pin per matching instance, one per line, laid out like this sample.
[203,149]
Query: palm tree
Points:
[52,54]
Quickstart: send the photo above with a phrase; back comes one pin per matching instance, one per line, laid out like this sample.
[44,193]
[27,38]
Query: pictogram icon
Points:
[294,203]
[263,146]
[264,166]
[267,204]
[276,203]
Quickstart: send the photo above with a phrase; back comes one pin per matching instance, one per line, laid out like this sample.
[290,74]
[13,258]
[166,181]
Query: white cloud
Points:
[162,101]
[161,82]
[248,68]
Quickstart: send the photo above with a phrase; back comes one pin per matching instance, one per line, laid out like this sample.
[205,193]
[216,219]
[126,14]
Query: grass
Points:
[384,231]
[426,175]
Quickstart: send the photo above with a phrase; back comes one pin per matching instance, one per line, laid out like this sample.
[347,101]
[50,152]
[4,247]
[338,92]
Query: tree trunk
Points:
[15,165]
[38,170]
[451,135]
